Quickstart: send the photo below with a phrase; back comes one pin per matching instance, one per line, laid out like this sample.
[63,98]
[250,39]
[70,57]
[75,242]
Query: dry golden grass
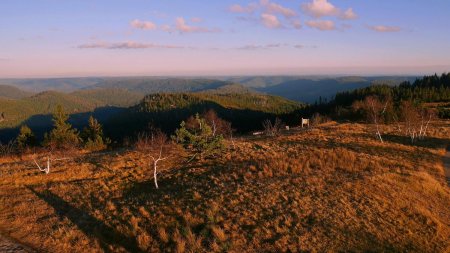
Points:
[332,188]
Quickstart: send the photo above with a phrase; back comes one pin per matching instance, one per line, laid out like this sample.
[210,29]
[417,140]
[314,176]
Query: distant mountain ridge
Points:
[158,85]
[12,92]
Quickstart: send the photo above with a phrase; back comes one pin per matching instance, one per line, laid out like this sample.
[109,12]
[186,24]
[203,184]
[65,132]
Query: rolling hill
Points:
[11,92]
[159,85]
[245,111]
[56,84]
[35,111]
[235,103]
[300,88]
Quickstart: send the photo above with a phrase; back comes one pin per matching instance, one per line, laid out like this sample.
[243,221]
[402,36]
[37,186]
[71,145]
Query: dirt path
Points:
[447,165]
[8,246]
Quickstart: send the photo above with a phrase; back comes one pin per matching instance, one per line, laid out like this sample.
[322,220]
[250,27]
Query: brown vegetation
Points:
[329,188]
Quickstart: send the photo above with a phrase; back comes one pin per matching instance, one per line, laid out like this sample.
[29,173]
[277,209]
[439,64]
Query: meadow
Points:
[333,188]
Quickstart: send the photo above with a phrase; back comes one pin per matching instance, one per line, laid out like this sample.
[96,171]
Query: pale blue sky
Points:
[229,37]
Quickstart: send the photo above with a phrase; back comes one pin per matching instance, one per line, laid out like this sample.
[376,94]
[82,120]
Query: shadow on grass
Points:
[88,224]
[427,142]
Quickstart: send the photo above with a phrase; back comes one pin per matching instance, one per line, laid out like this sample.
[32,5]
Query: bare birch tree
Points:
[272,129]
[155,145]
[416,120]
[374,109]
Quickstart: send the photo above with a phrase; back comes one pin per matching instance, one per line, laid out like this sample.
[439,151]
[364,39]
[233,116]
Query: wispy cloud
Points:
[259,47]
[126,45]
[383,28]
[253,47]
[237,8]
[271,15]
[323,8]
[274,8]
[323,25]
[144,25]
[270,21]
[349,14]
[182,27]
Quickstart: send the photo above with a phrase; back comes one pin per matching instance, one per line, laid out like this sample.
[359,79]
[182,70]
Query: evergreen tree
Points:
[197,136]
[62,134]
[93,137]
[25,138]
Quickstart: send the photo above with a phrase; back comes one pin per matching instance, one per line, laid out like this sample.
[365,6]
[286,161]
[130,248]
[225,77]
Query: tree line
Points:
[432,91]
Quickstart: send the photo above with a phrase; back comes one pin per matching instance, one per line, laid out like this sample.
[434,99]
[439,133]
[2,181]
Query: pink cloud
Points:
[274,8]
[183,27]
[270,21]
[323,25]
[237,8]
[382,28]
[349,14]
[259,47]
[323,8]
[144,25]
[126,45]
[270,14]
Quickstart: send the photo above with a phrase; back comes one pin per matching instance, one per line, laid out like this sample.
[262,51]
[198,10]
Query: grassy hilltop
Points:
[331,188]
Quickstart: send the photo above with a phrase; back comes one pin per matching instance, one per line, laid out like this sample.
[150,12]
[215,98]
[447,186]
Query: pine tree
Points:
[25,138]
[62,134]
[197,136]
[93,137]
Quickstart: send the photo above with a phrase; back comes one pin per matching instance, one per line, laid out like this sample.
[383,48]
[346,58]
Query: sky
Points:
[65,38]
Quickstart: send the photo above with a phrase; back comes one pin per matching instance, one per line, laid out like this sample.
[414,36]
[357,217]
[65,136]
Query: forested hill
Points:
[160,85]
[245,111]
[432,91]
[427,89]
[11,92]
[17,111]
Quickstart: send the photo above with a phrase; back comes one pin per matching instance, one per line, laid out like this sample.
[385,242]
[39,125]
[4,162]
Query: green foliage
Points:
[25,138]
[241,101]
[21,109]
[93,137]
[197,136]
[62,135]
[429,89]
